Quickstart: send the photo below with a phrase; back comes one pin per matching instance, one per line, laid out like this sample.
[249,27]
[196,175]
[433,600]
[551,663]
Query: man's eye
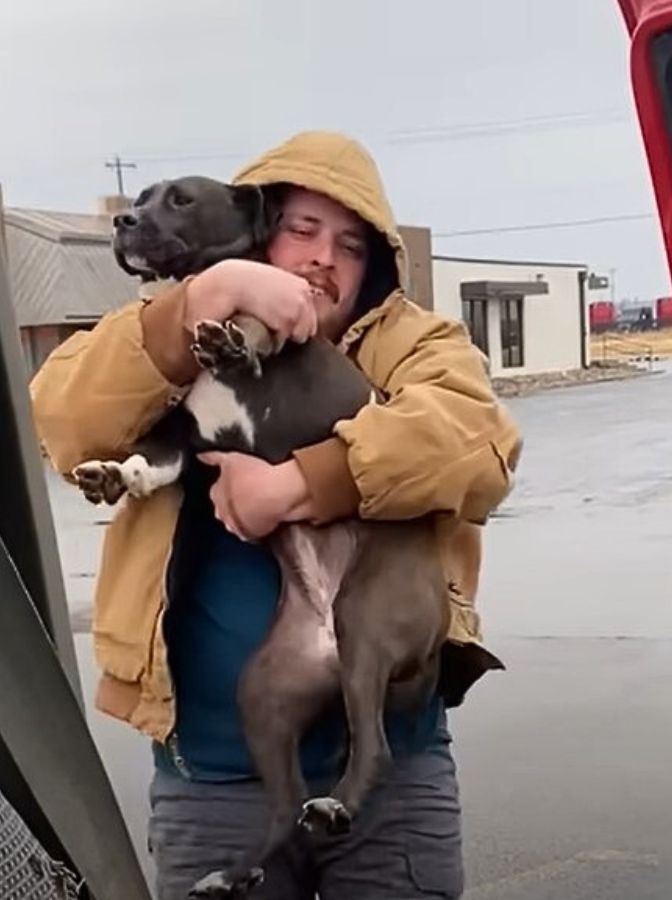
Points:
[300,230]
[354,248]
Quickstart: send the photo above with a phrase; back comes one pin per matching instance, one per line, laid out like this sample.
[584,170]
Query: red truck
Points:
[649,23]
[664,312]
[602,316]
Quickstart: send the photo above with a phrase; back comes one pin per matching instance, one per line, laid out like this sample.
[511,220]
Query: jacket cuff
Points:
[166,338]
[330,483]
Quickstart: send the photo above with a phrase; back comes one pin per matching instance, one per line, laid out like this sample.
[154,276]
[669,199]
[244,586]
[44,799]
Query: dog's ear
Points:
[250,199]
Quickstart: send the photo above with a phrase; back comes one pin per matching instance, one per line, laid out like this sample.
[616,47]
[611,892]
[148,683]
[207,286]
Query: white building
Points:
[527,317]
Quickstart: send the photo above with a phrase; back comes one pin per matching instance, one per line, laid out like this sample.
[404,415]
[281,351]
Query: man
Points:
[182,602]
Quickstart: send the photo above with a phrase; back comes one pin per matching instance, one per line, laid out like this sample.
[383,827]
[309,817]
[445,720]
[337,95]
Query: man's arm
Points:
[442,442]
[100,390]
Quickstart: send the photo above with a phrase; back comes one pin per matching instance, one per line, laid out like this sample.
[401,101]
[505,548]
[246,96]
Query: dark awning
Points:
[495,290]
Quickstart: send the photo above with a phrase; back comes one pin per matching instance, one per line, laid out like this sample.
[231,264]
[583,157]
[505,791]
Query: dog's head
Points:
[180,227]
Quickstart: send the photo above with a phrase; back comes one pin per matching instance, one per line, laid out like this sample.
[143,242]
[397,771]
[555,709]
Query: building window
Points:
[511,310]
[475,315]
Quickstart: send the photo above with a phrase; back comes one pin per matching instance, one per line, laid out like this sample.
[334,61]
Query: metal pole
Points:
[46,737]
[50,769]
[26,524]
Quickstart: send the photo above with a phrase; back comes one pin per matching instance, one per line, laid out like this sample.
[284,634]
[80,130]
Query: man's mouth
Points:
[322,282]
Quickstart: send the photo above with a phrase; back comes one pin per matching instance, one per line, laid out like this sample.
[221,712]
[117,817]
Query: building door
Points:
[475,316]
[511,314]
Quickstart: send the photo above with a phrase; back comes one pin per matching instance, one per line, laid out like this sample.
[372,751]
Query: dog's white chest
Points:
[216,408]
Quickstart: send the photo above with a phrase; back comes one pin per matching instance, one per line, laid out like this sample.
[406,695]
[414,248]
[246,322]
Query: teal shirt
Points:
[212,629]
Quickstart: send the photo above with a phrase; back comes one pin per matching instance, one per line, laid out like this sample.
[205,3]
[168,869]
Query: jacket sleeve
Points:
[99,391]
[441,443]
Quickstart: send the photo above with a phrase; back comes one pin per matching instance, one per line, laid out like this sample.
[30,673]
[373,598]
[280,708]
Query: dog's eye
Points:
[181,200]
[143,197]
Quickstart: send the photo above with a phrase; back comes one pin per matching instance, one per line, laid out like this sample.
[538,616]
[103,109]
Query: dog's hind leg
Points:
[273,745]
[364,680]
[245,873]
[286,683]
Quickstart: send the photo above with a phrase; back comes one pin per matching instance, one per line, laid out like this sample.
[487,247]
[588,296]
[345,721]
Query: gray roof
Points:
[62,268]
[58,226]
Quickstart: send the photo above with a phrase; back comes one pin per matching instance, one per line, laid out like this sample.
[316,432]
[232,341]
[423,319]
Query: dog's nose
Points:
[125,220]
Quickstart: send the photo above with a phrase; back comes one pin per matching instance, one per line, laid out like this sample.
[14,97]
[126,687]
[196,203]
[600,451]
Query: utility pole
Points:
[119,166]
[612,284]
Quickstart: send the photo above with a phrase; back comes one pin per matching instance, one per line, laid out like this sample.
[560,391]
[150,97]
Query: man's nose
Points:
[323,252]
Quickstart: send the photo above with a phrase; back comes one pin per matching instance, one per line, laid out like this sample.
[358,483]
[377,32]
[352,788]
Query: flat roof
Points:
[493,289]
[511,262]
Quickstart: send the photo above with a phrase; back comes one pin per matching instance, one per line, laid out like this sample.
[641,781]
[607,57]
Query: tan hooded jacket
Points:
[441,444]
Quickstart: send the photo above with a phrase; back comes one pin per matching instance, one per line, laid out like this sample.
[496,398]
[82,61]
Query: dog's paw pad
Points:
[207,348]
[220,885]
[235,336]
[100,482]
[240,349]
[325,814]
[221,344]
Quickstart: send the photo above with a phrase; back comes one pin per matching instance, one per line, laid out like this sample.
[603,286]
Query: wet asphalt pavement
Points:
[565,757]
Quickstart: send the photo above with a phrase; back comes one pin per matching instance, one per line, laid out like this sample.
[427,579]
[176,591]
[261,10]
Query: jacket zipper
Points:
[172,743]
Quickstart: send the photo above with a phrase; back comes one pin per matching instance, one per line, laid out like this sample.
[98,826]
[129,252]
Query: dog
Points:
[363,608]
[180,227]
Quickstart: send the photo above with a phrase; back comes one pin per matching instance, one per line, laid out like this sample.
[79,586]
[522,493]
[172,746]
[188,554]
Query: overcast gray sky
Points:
[483,114]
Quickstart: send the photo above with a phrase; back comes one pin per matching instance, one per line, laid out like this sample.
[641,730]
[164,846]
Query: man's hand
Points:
[252,497]
[282,301]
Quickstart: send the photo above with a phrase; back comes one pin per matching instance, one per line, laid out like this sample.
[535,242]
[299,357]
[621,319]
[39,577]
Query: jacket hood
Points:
[339,167]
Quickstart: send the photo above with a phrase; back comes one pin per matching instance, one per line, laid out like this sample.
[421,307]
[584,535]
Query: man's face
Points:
[326,243]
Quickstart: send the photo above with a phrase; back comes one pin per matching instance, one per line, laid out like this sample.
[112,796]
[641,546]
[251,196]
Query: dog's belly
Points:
[313,640]
[296,670]
[314,562]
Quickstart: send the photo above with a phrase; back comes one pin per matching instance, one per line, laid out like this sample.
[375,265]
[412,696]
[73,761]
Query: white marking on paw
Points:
[216,408]
[142,479]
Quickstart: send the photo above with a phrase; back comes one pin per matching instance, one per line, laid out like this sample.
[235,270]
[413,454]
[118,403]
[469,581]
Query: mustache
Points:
[321,280]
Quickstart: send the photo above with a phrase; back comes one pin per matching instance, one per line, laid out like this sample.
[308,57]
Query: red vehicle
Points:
[602,316]
[664,312]
[649,23]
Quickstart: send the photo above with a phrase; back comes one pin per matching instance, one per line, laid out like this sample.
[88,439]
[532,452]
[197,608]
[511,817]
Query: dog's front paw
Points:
[326,815]
[100,482]
[219,345]
[108,481]
[218,885]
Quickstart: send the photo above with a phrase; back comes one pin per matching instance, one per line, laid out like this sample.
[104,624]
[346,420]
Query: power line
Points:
[428,133]
[196,157]
[506,126]
[522,120]
[540,226]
